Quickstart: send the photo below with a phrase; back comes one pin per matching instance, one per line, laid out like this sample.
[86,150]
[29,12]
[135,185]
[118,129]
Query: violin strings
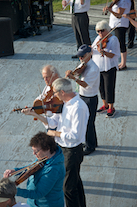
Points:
[105,6]
[25,168]
[18,171]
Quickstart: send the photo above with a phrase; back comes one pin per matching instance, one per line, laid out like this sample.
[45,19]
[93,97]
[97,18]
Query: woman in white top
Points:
[121,24]
[107,61]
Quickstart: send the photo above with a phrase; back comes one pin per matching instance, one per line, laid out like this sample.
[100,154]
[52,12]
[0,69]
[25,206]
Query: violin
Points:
[111,5]
[49,94]
[40,107]
[102,43]
[132,14]
[79,70]
[49,103]
[29,170]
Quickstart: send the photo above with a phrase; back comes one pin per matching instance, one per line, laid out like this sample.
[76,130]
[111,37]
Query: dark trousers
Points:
[120,33]
[131,34]
[107,85]
[91,138]
[80,25]
[131,28]
[73,187]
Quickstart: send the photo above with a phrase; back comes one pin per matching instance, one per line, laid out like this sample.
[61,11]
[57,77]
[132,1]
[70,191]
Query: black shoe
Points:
[88,151]
[124,68]
[130,45]
[83,145]
[96,145]
[74,56]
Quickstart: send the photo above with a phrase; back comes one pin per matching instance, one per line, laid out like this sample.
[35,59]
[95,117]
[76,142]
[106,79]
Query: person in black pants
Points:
[80,20]
[70,134]
[88,89]
[131,29]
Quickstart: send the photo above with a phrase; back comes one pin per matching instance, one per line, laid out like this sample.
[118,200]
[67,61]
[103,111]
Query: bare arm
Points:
[54,133]
[133,22]
[29,111]
[116,14]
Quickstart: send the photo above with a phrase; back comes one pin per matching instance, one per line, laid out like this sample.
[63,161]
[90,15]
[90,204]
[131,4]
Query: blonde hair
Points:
[102,25]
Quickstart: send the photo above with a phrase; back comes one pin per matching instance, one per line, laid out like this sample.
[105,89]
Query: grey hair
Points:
[103,25]
[8,188]
[62,84]
[52,69]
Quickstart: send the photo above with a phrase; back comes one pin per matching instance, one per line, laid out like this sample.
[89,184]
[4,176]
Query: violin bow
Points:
[105,6]
[42,99]
[43,104]
[135,7]
[25,168]
[28,167]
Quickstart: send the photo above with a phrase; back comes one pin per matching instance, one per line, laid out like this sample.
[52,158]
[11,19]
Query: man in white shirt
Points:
[7,194]
[88,89]
[70,134]
[80,20]
[49,74]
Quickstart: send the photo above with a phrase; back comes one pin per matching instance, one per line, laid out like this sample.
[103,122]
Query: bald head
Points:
[49,74]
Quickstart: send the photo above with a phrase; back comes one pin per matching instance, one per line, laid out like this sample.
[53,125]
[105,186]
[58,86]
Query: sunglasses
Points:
[101,30]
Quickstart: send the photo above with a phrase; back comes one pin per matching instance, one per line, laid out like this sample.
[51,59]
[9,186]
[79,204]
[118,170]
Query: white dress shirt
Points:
[105,63]
[72,123]
[123,22]
[78,7]
[91,76]
[44,92]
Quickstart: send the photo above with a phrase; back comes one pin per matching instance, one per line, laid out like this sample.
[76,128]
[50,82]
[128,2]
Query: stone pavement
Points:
[109,174]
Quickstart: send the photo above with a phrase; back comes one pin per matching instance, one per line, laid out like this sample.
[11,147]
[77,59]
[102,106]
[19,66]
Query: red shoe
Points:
[102,109]
[110,113]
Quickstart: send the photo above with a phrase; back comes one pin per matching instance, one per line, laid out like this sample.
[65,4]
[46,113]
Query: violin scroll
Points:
[80,69]
[31,170]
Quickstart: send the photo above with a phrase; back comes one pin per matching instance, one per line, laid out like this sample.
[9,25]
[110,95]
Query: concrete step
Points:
[95,15]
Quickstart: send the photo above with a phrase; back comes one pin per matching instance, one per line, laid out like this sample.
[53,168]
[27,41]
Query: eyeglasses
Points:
[55,92]
[36,152]
[101,30]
